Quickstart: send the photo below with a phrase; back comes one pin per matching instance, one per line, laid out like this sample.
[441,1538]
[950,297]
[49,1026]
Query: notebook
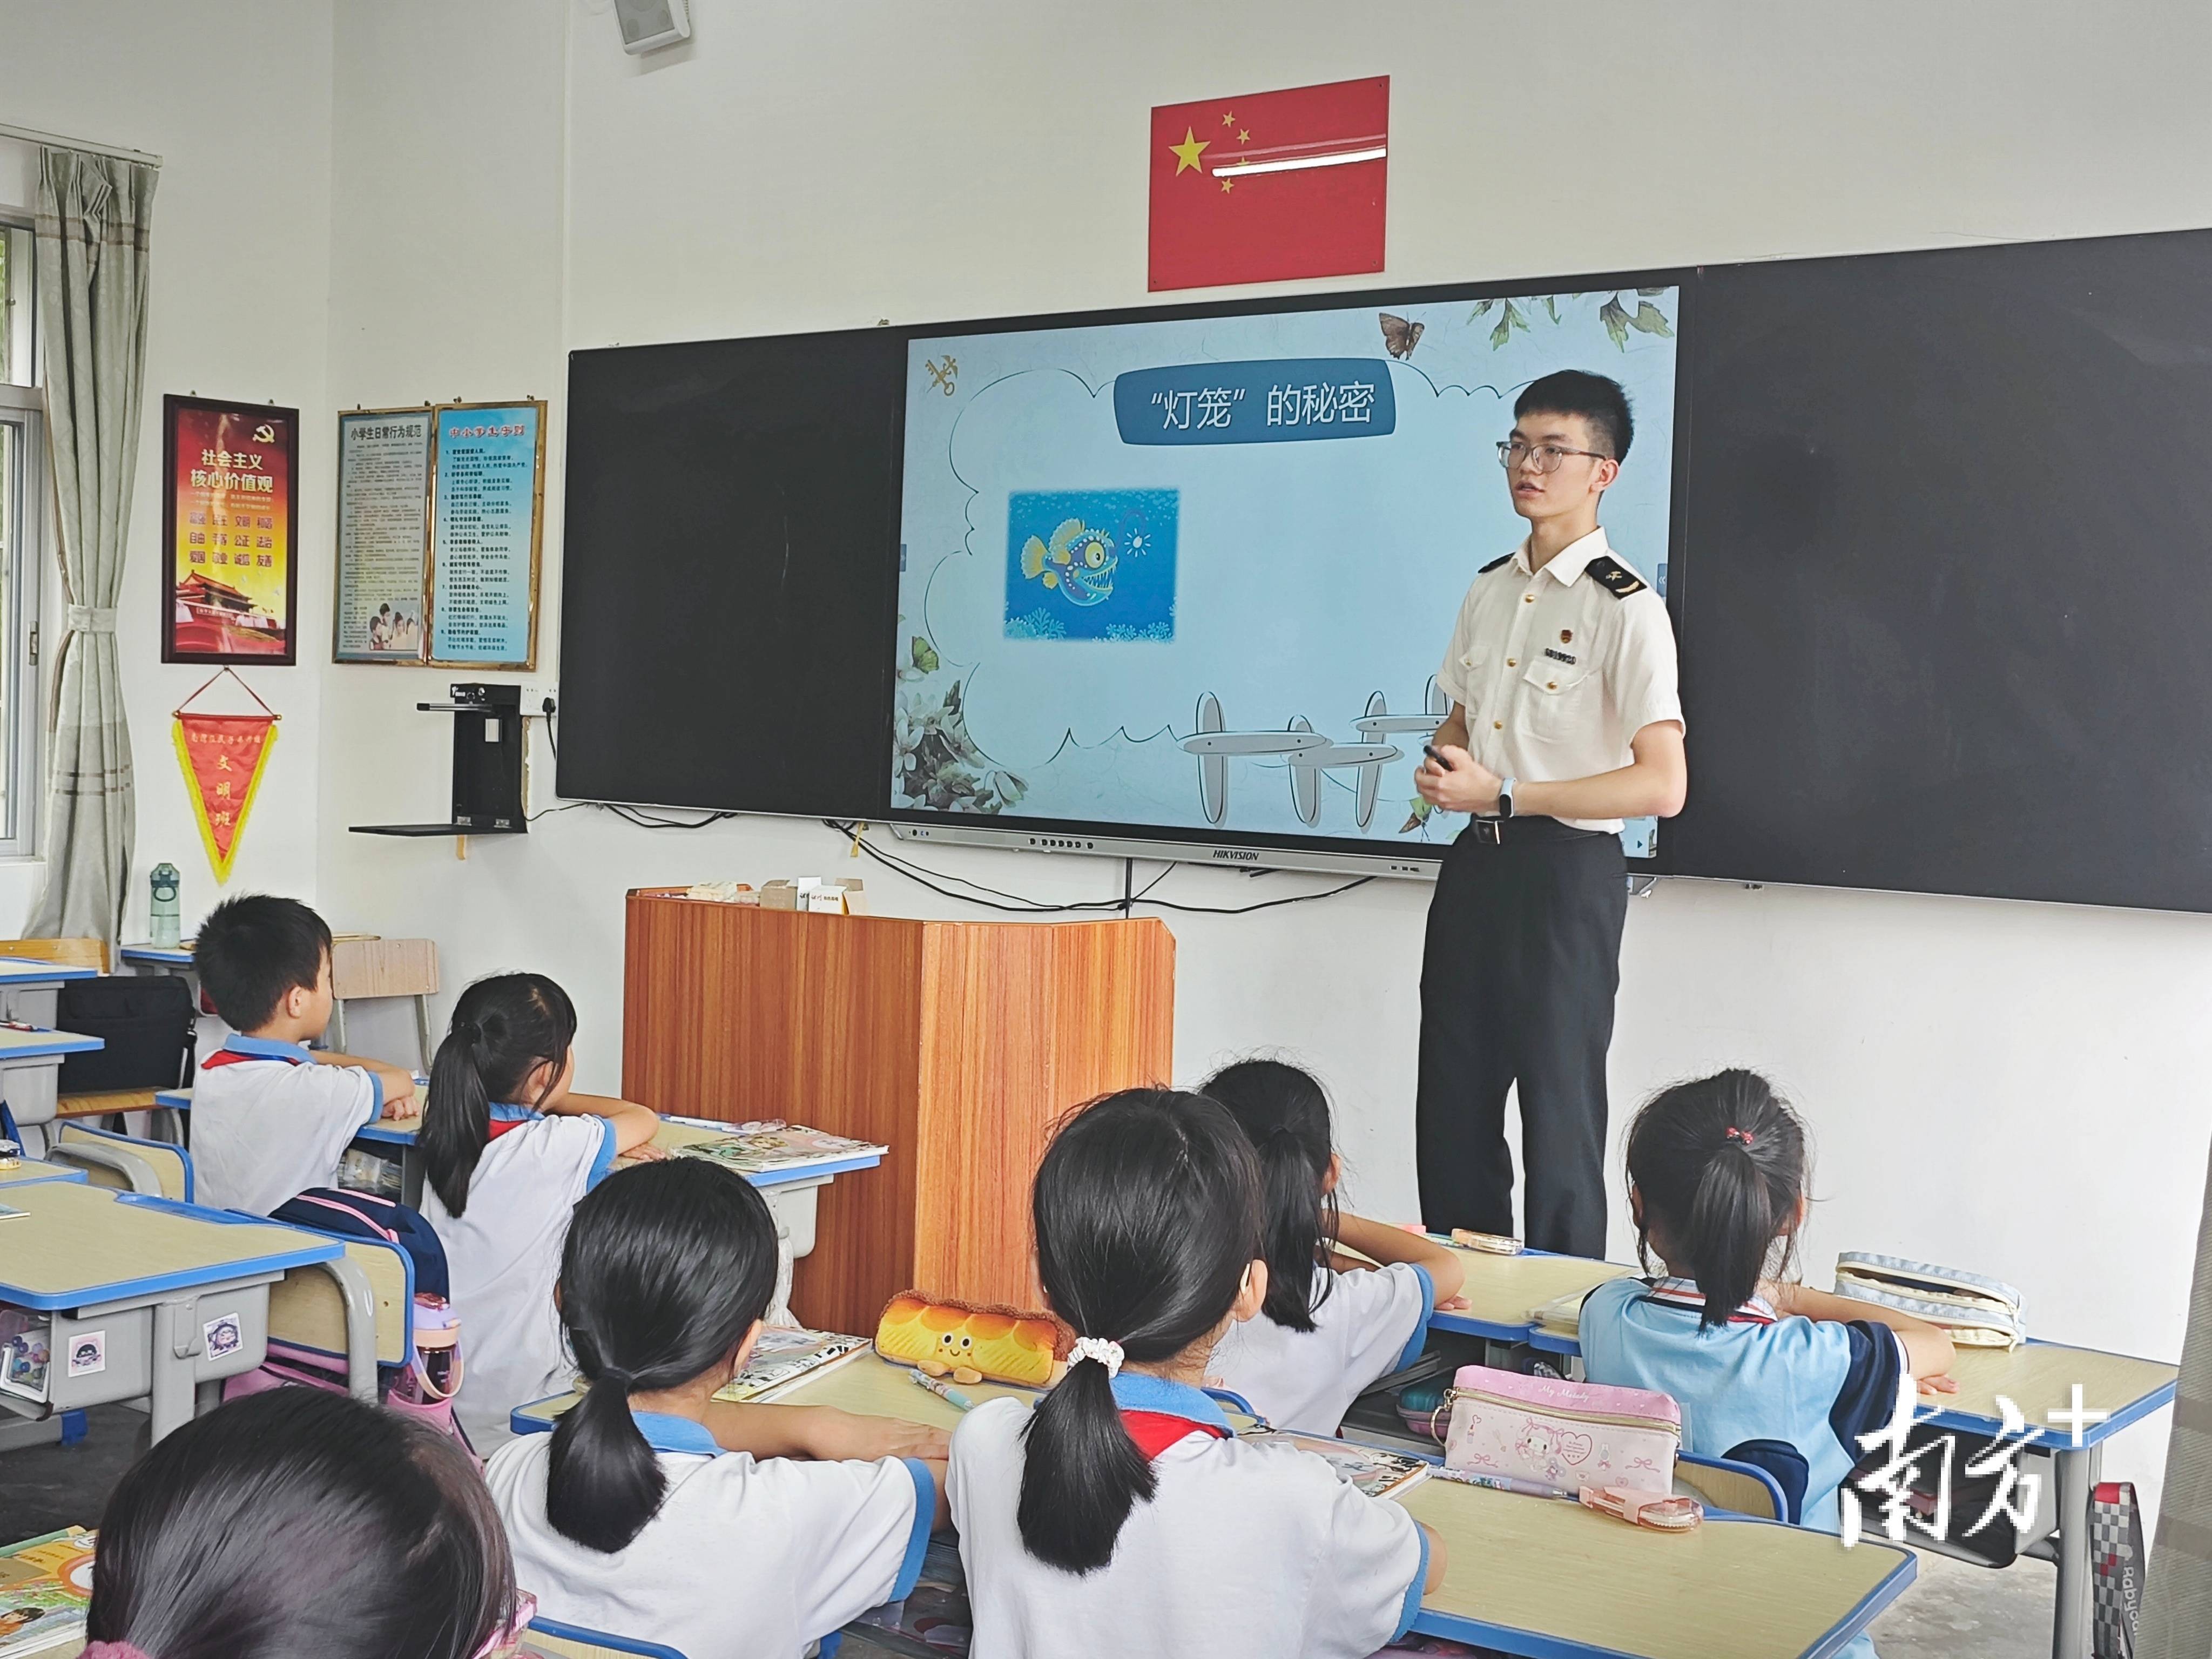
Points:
[784,1354]
[755,1148]
[1377,1473]
[45,1585]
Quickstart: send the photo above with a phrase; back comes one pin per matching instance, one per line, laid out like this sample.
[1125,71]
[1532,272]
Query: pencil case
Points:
[1489,1243]
[944,1338]
[1547,1431]
[1978,1311]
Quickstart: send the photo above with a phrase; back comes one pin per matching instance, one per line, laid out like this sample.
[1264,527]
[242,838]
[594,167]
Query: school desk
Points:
[30,1067]
[26,1170]
[141,1289]
[1503,1292]
[31,991]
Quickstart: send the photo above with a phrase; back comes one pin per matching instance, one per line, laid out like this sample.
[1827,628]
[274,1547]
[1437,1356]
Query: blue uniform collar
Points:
[269,1048]
[1139,1391]
[515,1115]
[675,1434]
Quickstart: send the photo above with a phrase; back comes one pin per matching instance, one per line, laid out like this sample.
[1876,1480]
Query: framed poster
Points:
[384,503]
[487,492]
[230,587]
[440,527]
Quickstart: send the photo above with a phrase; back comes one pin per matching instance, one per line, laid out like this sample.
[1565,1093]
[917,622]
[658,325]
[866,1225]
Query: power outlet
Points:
[535,693]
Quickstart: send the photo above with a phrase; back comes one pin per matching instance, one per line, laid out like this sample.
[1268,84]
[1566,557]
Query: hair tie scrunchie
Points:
[1735,1134]
[115,1650]
[1106,1351]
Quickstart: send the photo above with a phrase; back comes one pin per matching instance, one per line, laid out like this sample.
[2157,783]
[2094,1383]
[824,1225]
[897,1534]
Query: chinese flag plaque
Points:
[223,755]
[1270,186]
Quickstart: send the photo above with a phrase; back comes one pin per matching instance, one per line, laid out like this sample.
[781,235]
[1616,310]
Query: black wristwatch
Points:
[1505,797]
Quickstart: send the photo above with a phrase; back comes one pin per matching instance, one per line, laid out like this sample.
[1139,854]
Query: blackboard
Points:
[1944,583]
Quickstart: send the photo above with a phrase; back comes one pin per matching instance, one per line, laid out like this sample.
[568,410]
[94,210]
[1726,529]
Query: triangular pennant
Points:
[223,757]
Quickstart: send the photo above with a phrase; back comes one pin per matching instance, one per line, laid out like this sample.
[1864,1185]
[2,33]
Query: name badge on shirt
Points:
[1559,656]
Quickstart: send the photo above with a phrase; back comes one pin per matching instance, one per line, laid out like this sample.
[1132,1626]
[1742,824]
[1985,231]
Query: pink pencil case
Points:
[1547,1432]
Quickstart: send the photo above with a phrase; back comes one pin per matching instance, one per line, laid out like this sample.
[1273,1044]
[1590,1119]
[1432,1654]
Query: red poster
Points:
[1270,186]
[229,521]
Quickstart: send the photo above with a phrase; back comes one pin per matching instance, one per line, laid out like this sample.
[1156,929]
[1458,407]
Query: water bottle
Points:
[162,913]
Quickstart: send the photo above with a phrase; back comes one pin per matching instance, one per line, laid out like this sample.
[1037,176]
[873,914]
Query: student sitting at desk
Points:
[1322,1336]
[297,1522]
[272,1118]
[654,1511]
[1767,1372]
[1119,1514]
[508,1149]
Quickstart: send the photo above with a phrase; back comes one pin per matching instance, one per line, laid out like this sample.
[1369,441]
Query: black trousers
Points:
[1517,980]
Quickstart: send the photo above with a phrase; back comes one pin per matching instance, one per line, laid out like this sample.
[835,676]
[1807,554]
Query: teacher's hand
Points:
[1465,786]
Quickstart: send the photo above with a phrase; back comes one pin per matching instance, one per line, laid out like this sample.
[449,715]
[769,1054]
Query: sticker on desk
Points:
[88,1354]
[222,1335]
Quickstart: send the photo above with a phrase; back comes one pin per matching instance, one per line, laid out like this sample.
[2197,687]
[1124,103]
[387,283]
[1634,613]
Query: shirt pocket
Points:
[1559,699]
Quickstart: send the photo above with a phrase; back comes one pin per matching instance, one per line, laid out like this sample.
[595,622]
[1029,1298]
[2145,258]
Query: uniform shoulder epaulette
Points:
[1494,563]
[1616,578]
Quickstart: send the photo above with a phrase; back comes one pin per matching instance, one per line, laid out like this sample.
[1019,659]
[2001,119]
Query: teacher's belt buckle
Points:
[1489,830]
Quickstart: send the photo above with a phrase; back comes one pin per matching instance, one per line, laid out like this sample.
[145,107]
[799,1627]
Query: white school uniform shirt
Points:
[1559,670]
[503,1256]
[1369,1324]
[1246,1550]
[747,1558]
[272,1123]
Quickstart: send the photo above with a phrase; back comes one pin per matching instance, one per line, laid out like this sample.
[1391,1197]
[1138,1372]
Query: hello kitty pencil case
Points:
[1561,1436]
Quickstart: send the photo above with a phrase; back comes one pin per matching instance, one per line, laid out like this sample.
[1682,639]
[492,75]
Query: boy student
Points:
[269,1118]
[1564,720]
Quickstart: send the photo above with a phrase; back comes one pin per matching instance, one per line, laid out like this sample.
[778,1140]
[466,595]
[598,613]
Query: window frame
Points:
[21,614]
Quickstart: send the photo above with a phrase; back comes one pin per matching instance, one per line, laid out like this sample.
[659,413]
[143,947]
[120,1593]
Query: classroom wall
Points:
[235,96]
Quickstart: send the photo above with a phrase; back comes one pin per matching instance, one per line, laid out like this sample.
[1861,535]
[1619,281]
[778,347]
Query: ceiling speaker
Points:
[649,25]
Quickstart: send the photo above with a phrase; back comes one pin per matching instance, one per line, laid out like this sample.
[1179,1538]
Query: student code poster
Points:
[1201,573]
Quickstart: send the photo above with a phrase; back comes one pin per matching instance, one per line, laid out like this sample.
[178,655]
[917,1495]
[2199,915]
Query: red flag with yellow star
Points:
[1270,186]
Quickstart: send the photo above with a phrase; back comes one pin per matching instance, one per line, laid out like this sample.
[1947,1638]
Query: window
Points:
[23,494]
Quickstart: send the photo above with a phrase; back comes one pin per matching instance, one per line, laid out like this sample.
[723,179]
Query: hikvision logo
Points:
[1237,853]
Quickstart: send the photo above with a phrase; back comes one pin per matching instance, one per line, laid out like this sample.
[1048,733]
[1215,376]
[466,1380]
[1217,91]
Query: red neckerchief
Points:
[1155,1432]
[232,1057]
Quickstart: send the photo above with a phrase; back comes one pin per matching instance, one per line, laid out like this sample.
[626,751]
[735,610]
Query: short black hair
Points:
[254,948]
[1596,398]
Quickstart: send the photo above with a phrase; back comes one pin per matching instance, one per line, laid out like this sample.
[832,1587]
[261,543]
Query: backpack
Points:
[371,1215]
[149,1027]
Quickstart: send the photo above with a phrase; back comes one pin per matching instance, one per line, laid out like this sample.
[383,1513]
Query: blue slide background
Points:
[1287,519]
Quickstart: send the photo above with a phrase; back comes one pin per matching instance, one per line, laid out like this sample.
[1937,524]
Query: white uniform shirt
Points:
[503,1254]
[1245,1550]
[273,1124]
[1559,670]
[745,1559]
[1369,1325]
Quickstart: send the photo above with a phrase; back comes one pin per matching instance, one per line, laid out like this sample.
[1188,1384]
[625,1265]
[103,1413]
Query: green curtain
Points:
[91,261]
[2177,1613]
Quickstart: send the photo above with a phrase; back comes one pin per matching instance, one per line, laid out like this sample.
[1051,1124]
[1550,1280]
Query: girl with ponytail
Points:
[1767,1370]
[1329,1329]
[653,1509]
[1098,1521]
[507,1148]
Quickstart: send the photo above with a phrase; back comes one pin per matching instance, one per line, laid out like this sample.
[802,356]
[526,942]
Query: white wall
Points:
[234,95]
[2012,1087]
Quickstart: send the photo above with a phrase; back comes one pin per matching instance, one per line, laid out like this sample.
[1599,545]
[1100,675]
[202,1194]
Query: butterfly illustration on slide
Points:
[1399,336]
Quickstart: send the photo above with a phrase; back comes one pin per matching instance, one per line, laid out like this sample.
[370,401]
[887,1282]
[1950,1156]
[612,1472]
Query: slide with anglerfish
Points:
[1201,574]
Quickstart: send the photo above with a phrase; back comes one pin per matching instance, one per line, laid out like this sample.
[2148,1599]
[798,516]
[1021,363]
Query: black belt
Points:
[1524,832]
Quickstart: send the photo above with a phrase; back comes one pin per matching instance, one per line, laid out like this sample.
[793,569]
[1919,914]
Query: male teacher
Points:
[1564,721]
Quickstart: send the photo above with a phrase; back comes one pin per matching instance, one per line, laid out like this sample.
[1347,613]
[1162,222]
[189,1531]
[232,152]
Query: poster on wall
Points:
[384,499]
[229,522]
[440,528]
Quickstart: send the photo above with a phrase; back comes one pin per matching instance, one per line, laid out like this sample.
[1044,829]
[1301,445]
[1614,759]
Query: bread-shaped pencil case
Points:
[1979,1312]
[970,1344]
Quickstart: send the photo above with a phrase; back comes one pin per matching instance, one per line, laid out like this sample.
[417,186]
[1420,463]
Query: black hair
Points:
[504,1027]
[299,1521]
[253,948]
[1720,1166]
[1598,400]
[665,1269]
[1284,1112]
[1147,1214]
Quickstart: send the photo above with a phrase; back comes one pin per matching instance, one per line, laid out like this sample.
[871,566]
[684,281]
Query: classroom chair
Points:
[363,1316]
[110,1159]
[552,1639]
[1722,1483]
[69,952]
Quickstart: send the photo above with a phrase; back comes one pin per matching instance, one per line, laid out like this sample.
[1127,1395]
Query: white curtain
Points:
[91,242]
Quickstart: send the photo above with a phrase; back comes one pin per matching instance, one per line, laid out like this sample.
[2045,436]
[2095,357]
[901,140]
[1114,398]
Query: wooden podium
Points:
[957,1044]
